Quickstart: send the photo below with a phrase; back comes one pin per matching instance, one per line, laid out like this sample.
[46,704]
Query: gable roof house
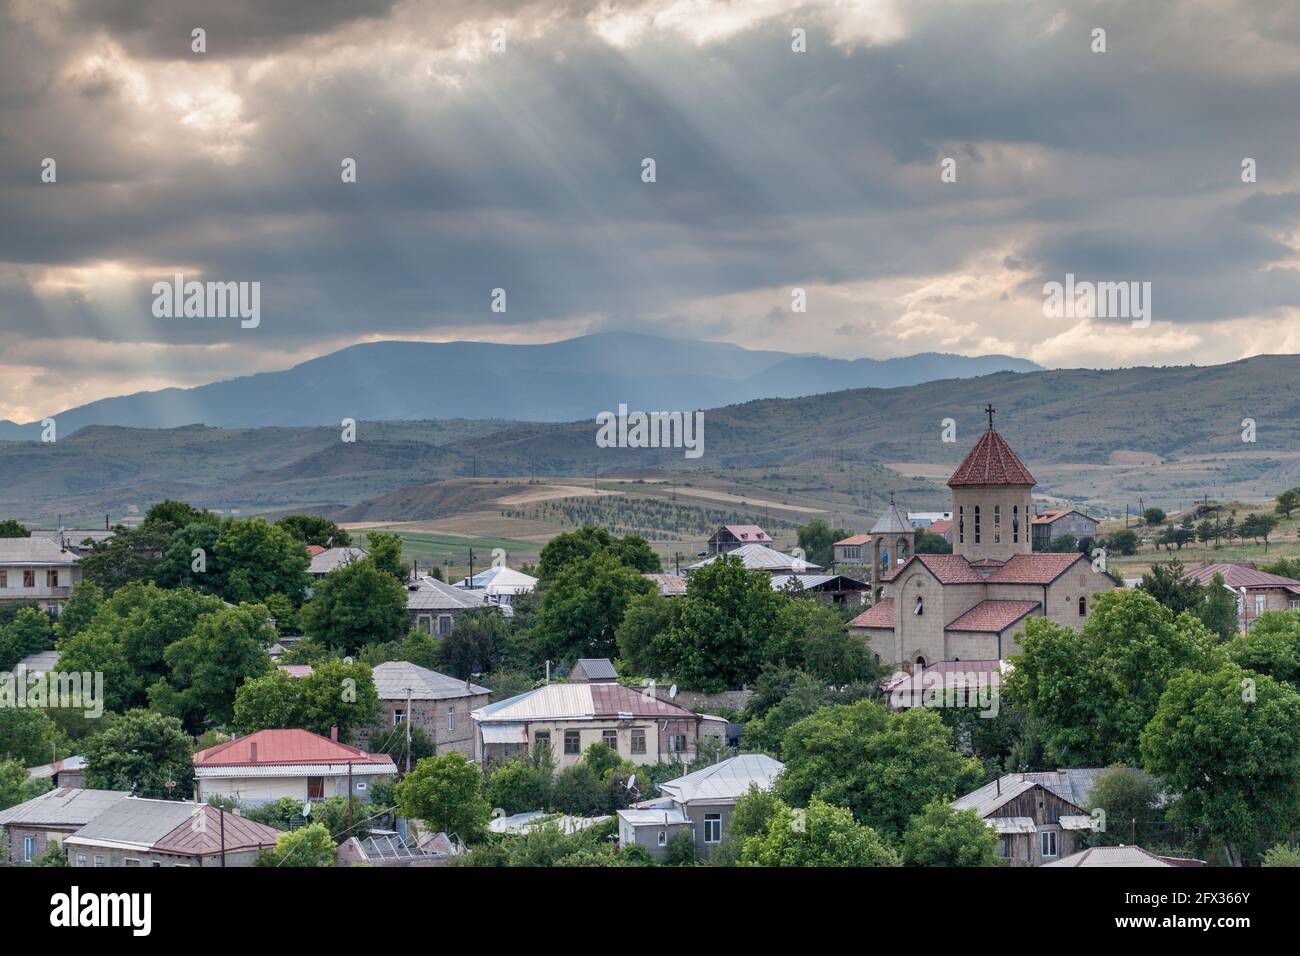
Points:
[731,536]
[1050,525]
[69,772]
[852,550]
[569,718]
[1122,855]
[435,605]
[500,583]
[593,670]
[1256,591]
[437,704]
[34,825]
[701,801]
[759,557]
[270,764]
[325,560]
[1039,817]
[142,832]
[40,570]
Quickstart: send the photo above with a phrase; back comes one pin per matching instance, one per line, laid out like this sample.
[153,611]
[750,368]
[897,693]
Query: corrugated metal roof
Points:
[34,551]
[595,668]
[1012,824]
[393,679]
[430,594]
[66,806]
[1111,856]
[1241,576]
[1073,786]
[579,702]
[283,746]
[500,580]
[59,766]
[725,780]
[649,818]
[759,557]
[334,558]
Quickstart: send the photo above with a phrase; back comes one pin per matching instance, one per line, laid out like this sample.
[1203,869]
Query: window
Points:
[572,742]
[99,861]
[315,788]
[638,741]
[610,739]
[542,739]
[663,838]
[81,859]
[399,716]
[29,849]
[444,625]
[1083,606]
[425,623]
[677,743]
[997,524]
[1048,842]
[713,828]
[52,578]
[130,861]
[919,609]
[4,579]
[1260,605]
[1015,524]
[977,524]
[961,524]
[1295,605]
[29,578]
[451,717]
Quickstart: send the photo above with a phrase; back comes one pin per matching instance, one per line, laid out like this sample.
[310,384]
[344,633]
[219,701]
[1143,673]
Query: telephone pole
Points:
[408,731]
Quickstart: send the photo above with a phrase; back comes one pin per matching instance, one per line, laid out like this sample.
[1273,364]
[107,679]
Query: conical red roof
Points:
[991,462]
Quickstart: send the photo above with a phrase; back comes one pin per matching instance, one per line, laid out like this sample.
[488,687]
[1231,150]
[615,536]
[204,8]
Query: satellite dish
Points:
[672,691]
[306,809]
[631,782]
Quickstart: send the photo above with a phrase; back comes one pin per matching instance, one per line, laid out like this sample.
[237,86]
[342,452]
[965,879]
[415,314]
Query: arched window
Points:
[1083,606]
[902,550]
[1015,524]
[920,660]
[977,524]
[919,609]
[961,524]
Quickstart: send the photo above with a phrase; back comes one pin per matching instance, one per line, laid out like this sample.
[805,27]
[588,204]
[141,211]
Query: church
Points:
[971,605]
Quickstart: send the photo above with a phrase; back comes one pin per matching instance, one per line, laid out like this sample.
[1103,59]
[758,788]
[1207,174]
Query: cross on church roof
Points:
[989,410]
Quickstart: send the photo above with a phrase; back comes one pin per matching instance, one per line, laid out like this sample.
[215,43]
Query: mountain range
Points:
[555,382]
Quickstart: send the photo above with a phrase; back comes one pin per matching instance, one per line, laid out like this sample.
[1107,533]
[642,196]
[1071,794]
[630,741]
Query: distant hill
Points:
[559,381]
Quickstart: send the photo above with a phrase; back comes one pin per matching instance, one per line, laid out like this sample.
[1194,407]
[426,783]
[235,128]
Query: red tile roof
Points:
[315,549]
[748,532]
[283,747]
[991,462]
[939,527]
[880,614]
[948,568]
[1243,576]
[992,616]
[855,539]
[1034,568]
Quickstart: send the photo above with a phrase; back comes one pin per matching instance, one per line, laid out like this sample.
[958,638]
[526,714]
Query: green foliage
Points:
[394,744]
[1093,691]
[29,632]
[79,610]
[647,617]
[574,547]
[331,813]
[30,737]
[226,648]
[313,529]
[817,540]
[385,551]
[1128,798]
[171,515]
[1281,855]
[143,752]
[822,835]
[545,845]
[474,644]
[578,790]
[1218,611]
[257,559]
[335,694]
[12,775]
[583,605]
[9,528]
[1271,646]
[927,542]
[681,849]
[354,605]
[307,846]
[182,566]
[783,696]
[942,836]
[131,555]
[1287,502]
[1154,516]
[518,785]
[1123,542]
[1225,742]
[882,767]
[444,793]
[53,856]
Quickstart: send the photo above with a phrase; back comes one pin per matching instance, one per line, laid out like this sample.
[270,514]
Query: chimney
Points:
[252,747]
[334,733]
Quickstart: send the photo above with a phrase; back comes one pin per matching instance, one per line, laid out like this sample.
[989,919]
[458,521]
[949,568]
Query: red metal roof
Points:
[283,747]
[880,614]
[992,616]
[991,462]
[855,539]
[192,839]
[315,549]
[939,527]
[1043,568]
[748,533]
[610,700]
[1243,576]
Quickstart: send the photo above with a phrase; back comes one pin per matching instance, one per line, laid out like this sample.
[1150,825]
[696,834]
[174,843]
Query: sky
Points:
[499,144]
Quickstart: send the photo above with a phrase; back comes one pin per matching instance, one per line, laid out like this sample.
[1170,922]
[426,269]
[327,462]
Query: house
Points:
[968,683]
[669,585]
[80,541]
[569,718]
[325,560]
[943,528]
[828,588]
[69,772]
[971,605]
[270,764]
[434,605]
[1039,817]
[40,570]
[1122,856]
[36,824]
[853,550]
[593,670]
[731,536]
[501,584]
[389,848]
[437,704]
[1256,591]
[1050,525]
[141,832]
[759,557]
[927,519]
[700,803]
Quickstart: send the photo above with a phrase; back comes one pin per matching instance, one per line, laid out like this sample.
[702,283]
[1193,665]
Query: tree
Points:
[385,551]
[30,632]
[143,752]
[335,694]
[831,653]
[783,696]
[1063,543]
[9,528]
[355,605]
[1271,646]
[1169,585]
[313,529]
[1218,610]
[1154,516]
[79,610]
[12,775]
[1282,855]
[817,540]
[586,542]
[1094,690]
[518,785]
[942,836]
[444,793]
[1123,542]
[30,737]
[646,620]
[681,849]
[258,559]
[311,845]
[130,555]
[227,648]
[190,559]
[1128,801]
[473,646]
[882,767]
[1225,742]
[583,606]
[578,790]
[822,835]
[1287,502]
[171,515]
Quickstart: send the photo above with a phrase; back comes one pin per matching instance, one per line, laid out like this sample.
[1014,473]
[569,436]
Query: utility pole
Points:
[548,672]
[350,793]
[221,814]
[408,731]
